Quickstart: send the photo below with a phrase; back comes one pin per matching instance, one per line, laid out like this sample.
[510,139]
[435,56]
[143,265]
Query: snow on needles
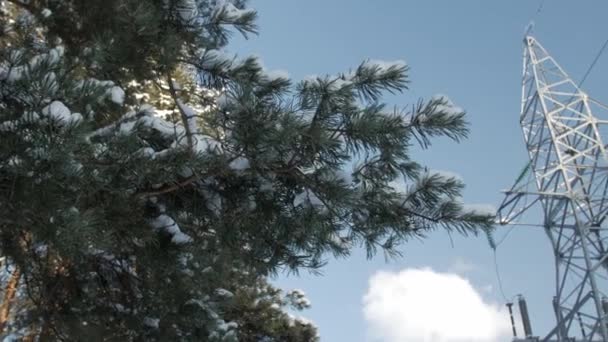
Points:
[298,298]
[239,164]
[277,74]
[167,224]
[224,293]
[446,105]
[117,95]
[445,175]
[151,322]
[147,117]
[16,72]
[479,209]
[235,14]
[46,12]
[309,198]
[187,10]
[385,65]
[60,113]
[271,75]
[345,174]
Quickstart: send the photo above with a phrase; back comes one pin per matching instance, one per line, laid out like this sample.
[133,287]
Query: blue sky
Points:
[471,51]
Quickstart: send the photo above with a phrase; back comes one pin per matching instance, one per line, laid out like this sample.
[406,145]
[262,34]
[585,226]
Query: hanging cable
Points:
[504,237]
[540,8]
[525,173]
[597,57]
[500,288]
[593,63]
[530,26]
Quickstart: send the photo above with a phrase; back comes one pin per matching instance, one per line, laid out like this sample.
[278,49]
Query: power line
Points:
[504,237]
[597,57]
[502,292]
[530,26]
[540,8]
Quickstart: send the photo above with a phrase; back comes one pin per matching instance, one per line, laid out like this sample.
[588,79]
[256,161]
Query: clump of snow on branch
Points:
[341,241]
[239,164]
[187,11]
[17,69]
[117,95]
[277,74]
[479,209]
[445,105]
[57,111]
[297,298]
[299,319]
[271,75]
[308,198]
[151,322]
[147,118]
[384,65]
[445,174]
[340,83]
[234,14]
[345,174]
[167,224]
[224,293]
[46,13]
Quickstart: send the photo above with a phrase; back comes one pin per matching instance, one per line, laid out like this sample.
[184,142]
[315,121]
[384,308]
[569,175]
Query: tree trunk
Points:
[9,295]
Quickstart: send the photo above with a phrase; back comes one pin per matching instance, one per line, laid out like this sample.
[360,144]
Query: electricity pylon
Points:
[563,129]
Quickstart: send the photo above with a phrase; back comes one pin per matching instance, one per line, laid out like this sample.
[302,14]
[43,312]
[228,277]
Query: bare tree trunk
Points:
[31,337]
[9,295]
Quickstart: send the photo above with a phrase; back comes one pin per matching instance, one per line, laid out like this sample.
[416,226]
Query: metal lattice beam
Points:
[563,129]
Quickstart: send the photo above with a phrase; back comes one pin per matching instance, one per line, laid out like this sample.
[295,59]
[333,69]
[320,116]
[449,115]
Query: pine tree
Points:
[150,181]
[261,312]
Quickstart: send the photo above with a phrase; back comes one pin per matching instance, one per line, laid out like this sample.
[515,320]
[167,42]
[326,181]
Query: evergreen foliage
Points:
[150,181]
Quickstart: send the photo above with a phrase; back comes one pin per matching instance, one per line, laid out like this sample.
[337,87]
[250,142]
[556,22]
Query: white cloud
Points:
[461,266]
[421,305]
[488,288]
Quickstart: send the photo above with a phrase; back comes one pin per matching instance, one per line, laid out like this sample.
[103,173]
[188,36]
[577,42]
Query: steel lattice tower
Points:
[563,129]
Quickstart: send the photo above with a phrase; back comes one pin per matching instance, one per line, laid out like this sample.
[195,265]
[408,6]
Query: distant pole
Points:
[525,318]
[510,306]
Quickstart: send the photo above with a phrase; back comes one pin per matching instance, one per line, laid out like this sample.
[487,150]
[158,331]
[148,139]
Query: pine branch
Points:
[181,184]
[170,188]
[184,116]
